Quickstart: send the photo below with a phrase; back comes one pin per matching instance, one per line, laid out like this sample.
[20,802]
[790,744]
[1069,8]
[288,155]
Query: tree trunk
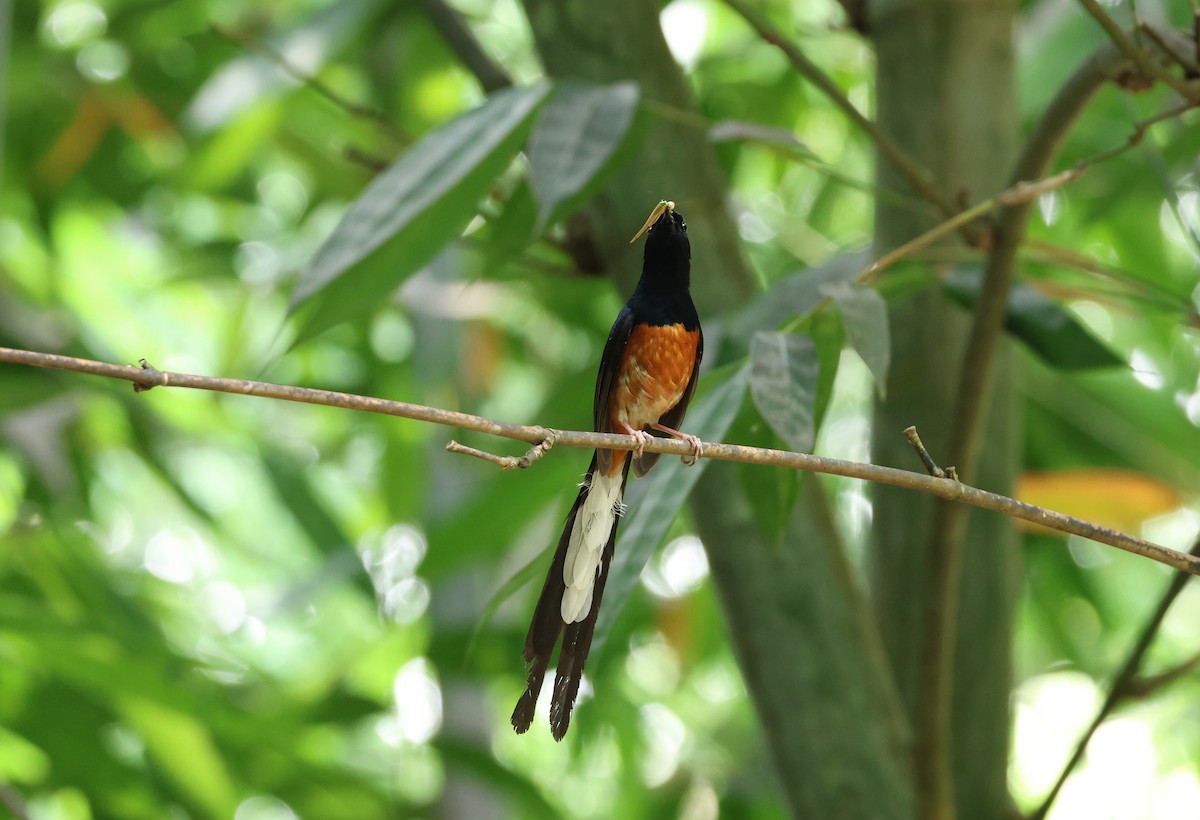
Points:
[945,91]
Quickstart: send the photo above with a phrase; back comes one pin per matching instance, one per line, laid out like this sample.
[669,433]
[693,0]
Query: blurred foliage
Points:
[219,606]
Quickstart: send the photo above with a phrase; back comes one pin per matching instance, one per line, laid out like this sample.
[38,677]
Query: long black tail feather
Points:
[577,642]
[547,625]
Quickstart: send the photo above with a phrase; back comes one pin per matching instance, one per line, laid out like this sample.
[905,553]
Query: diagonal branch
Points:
[146,377]
[461,40]
[1146,65]
[351,107]
[908,167]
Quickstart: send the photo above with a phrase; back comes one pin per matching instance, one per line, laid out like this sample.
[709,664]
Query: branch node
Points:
[536,451]
[157,377]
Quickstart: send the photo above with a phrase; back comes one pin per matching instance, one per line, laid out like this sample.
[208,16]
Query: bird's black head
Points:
[668,254]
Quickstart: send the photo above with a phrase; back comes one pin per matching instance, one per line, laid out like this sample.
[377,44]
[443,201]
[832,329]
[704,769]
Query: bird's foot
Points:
[695,443]
[641,439]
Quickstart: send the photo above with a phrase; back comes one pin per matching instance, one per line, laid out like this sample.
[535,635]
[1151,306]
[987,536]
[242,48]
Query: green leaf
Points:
[826,331]
[771,493]
[183,748]
[576,135]
[1041,323]
[534,568]
[512,230]
[411,210]
[783,383]
[655,501]
[864,315]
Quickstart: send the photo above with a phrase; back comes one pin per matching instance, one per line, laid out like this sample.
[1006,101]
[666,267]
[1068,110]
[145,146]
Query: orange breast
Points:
[655,370]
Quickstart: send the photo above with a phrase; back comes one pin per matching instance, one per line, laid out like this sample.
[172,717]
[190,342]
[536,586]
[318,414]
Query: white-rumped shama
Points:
[647,377]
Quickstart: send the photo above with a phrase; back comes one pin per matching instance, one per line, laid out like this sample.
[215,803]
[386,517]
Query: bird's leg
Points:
[697,446]
[641,436]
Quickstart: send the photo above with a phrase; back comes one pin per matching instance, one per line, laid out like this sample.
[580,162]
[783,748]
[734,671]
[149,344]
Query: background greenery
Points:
[217,606]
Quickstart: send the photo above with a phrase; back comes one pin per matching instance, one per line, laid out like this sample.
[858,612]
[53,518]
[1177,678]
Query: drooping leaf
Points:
[783,382]
[511,231]
[411,210]
[779,139]
[827,332]
[575,136]
[796,294]
[865,318]
[772,493]
[185,752]
[1042,324]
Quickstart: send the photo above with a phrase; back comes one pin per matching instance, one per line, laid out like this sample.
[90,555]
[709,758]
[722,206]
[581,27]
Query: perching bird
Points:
[647,377]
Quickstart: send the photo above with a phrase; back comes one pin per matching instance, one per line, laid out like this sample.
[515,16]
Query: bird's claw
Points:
[642,438]
[697,449]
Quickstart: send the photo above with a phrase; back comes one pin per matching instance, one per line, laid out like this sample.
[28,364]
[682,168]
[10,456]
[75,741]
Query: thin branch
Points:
[1019,193]
[374,164]
[145,377]
[462,42]
[692,119]
[908,167]
[1120,688]
[351,107]
[12,800]
[1145,686]
[1146,65]
[1190,67]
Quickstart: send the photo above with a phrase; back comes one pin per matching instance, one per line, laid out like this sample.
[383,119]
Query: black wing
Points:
[610,366]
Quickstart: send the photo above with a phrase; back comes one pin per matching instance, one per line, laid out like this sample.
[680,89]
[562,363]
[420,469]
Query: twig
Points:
[692,119]
[1145,686]
[512,462]
[12,800]
[1119,689]
[1190,67]
[1145,65]
[374,164]
[351,107]
[148,377]
[931,467]
[462,42]
[1018,193]
[908,167]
